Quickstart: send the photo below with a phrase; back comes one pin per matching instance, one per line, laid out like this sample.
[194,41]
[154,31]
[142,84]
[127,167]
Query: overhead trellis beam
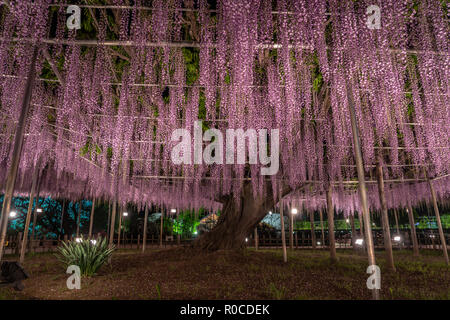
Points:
[188,44]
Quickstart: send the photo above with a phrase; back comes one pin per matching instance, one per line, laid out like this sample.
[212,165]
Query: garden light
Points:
[94,242]
[294,211]
[125,214]
[318,243]
[270,212]
[359,242]
[246,239]
[173,210]
[78,240]
[39,210]
[347,220]
[12,214]
[397,238]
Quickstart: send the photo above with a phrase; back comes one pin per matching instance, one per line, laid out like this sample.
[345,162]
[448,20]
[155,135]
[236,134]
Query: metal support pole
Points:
[385,219]
[313,231]
[362,185]
[108,223]
[283,232]
[361,225]
[112,226]
[120,226]
[413,230]
[29,212]
[62,218]
[78,220]
[161,228]
[330,216]
[438,220]
[396,221]
[144,237]
[91,219]
[321,227]
[291,228]
[352,222]
[17,150]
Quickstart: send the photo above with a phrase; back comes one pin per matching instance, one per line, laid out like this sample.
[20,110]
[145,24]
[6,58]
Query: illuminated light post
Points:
[173,211]
[294,211]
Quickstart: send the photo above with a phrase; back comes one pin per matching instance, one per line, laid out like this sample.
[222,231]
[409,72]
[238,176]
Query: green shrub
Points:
[88,256]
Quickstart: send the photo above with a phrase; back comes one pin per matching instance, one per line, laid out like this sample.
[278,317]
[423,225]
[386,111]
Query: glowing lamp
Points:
[359,242]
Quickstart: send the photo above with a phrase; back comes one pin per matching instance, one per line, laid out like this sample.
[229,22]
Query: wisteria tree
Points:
[110,95]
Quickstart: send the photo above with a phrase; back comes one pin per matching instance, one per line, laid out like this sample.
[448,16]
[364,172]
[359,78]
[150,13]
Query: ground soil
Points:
[181,273]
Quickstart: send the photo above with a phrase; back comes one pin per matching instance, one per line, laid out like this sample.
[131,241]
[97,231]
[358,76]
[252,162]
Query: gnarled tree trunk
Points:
[236,221]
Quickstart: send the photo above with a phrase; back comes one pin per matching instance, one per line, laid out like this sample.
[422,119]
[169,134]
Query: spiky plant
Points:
[88,255]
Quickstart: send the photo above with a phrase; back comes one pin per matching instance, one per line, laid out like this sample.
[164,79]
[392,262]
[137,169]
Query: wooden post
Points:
[438,220]
[256,238]
[330,216]
[17,150]
[362,185]
[385,218]
[321,227]
[413,230]
[144,232]
[313,232]
[113,222]
[91,219]
[23,244]
[283,235]
[161,228]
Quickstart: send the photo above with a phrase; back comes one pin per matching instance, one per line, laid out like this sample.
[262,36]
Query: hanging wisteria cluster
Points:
[103,128]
